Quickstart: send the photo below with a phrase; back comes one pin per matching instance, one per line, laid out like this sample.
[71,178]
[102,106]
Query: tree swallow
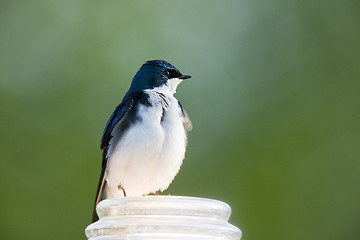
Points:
[145,139]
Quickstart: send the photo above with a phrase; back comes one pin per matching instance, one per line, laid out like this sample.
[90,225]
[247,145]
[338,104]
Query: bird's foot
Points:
[120,187]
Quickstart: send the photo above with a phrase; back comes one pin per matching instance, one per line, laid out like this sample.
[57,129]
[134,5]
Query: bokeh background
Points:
[274,101]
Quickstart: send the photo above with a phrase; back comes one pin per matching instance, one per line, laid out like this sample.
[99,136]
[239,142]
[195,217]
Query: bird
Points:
[144,141]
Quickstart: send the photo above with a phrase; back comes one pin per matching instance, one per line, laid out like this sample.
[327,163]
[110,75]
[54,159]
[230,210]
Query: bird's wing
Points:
[121,115]
[187,123]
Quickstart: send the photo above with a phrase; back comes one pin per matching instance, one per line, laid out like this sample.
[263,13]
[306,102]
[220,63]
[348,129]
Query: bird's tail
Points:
[100,192]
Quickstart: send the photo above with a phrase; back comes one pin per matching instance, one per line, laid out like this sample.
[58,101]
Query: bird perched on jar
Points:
[145,139]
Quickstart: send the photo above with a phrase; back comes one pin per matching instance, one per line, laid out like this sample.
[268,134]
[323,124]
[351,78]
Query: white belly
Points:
[149,154]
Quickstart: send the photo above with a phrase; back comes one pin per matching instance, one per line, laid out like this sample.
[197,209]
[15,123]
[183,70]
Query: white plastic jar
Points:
[162,217]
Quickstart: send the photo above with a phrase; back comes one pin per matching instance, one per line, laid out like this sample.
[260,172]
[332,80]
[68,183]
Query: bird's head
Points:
[157,74]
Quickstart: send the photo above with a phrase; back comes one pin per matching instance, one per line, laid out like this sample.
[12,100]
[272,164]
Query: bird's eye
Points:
[171,73]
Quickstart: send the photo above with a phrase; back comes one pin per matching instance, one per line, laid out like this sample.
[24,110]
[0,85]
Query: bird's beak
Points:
[185,76]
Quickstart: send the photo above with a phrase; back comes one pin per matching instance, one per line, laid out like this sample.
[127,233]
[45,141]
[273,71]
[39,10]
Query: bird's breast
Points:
[150,152]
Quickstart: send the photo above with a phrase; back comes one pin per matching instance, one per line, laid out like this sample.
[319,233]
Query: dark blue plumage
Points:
[153,74]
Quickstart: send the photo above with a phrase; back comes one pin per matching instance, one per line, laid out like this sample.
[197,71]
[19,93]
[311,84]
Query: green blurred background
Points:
[274,101]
